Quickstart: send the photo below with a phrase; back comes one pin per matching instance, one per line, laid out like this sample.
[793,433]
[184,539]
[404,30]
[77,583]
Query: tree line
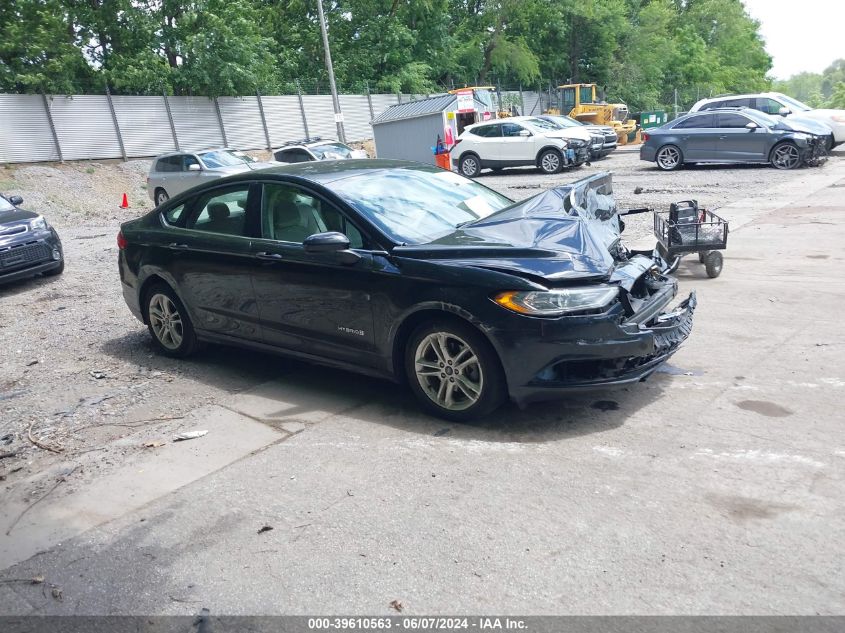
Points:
[643,52]
[818,90]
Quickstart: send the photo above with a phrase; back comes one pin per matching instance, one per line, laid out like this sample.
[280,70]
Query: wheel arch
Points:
[150,281]
[428,313]
[544,149]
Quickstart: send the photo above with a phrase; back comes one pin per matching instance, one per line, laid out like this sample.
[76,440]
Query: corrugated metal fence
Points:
[37,128]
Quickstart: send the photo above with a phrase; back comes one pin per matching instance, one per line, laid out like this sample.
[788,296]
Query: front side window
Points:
[511,129]
[744,102]
[731,120]
[769,106]
[418,205]
[290,214]
[188,160]
[221,211]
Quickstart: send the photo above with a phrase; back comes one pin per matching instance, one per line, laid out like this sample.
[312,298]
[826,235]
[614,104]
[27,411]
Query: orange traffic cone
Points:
[125,203]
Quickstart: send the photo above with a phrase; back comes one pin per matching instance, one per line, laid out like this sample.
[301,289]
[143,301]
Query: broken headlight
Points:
[557,302]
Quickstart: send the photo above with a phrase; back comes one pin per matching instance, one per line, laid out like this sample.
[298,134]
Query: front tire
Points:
[785,156]
[454,371]
[713,264]
[470,165]
[669,158]
[550,161]
[168,322]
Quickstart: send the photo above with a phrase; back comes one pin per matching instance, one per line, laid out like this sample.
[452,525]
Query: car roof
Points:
[195,151]
[327,171]
[306,142]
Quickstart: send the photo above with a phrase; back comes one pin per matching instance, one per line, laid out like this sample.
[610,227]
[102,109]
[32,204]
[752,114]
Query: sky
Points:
[800,36]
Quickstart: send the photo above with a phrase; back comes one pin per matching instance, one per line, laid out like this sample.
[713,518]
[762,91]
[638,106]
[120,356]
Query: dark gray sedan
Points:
[730,135]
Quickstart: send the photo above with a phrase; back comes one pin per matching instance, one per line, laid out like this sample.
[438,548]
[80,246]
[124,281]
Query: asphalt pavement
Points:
[715,487]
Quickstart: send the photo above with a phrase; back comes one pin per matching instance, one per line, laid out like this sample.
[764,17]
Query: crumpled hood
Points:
[565,233]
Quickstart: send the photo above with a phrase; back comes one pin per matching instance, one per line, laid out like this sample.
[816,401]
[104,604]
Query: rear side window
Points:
[700,121]
[221,211]
[745,102]
[169,163]
[488,131]
[293,156]
[174,216]
[712,105]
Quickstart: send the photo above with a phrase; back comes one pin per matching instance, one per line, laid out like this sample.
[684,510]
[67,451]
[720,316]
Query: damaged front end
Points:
[815,153]
[625,341]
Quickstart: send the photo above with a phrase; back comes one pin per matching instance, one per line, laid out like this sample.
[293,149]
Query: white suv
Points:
[821,122]
[517,142]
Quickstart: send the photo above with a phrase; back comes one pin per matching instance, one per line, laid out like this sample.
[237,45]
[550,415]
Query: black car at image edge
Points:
[410,273]
[28,244]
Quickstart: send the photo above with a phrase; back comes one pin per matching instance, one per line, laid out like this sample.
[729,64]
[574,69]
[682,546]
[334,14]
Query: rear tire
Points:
[470,165]
[669,158]
[453,371]
[168,322]
[713,264]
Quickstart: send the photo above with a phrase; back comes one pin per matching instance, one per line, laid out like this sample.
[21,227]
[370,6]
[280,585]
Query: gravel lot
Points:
[78,371]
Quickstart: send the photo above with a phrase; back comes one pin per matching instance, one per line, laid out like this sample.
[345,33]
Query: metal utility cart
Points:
[686,229]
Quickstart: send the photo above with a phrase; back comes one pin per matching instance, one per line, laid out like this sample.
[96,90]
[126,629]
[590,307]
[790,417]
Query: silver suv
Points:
[171,174]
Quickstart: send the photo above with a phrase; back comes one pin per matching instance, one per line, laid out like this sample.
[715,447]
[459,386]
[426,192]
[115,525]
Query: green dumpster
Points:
[653,118]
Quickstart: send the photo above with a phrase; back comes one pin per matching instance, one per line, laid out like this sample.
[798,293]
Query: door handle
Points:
[176,245]
[722,138]
[268,256]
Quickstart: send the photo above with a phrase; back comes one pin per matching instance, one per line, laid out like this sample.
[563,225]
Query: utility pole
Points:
[338,115]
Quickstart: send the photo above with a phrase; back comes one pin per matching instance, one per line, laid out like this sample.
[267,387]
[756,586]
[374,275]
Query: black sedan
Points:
[28,244]
[410,273]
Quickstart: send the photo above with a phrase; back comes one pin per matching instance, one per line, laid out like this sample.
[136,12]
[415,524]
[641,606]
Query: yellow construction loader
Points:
[580,102]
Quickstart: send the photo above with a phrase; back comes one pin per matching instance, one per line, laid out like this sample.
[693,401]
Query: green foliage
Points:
[638,51]
[818,90]
[837,97]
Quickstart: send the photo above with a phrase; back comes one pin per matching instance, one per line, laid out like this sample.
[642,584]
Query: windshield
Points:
[794,103]
[563,121]
[540,124]
[417,206]
[5,205]
[224,158]
[331,150]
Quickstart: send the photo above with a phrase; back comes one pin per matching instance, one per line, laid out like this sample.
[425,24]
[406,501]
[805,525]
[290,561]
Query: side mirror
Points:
[194,167]
[751,126]
[524,133]
[331,242]
[784,111]
[16,200]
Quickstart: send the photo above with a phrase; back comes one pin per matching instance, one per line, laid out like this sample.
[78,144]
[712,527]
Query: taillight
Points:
[121,241]
[645,137]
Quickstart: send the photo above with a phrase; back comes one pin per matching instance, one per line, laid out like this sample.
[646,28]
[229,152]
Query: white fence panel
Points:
[320,114]
[25,134]
[242,120]
[144,125]
[356,117]
[195,119]
[284,119]
[84,126]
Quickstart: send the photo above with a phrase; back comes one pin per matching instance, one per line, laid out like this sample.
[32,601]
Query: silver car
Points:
[173,173]
[731,135]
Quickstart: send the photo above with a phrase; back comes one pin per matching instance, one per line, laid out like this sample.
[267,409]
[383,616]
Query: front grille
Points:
[24,254]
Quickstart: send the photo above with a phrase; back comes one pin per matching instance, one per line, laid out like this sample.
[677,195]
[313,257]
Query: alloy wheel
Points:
[165,321]
[668,157]
[449,371]
[550,162]
[469,166]
[786,156]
